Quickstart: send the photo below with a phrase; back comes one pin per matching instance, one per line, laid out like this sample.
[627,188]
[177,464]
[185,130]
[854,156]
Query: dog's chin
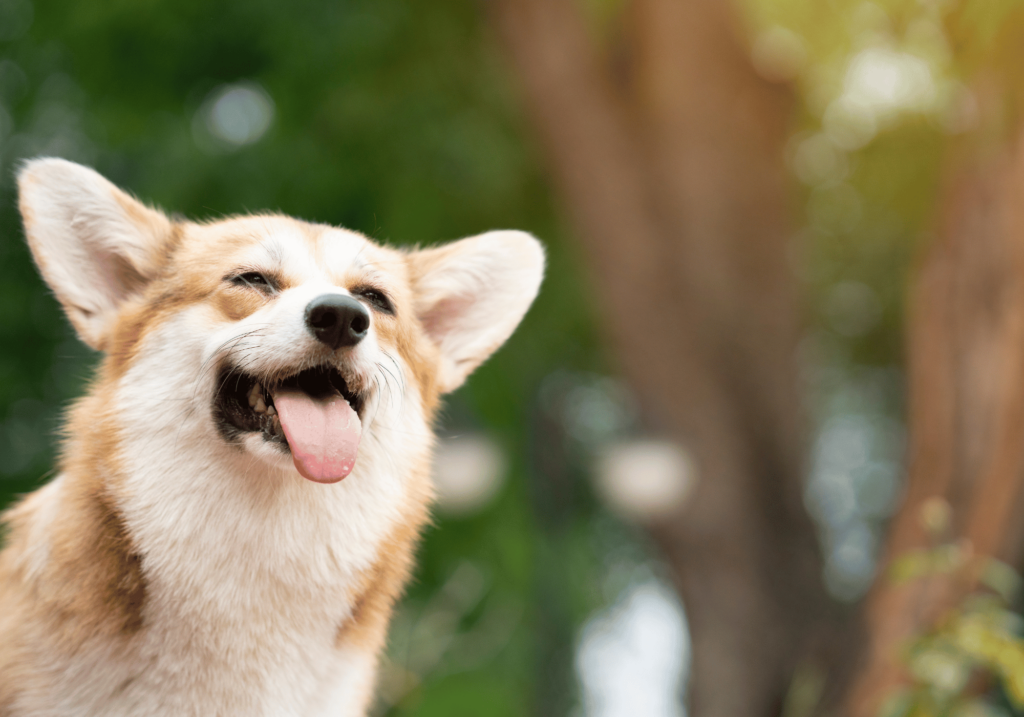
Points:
[246,417]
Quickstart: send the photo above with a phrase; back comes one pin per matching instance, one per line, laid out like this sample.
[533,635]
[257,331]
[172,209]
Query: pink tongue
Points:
[323,434]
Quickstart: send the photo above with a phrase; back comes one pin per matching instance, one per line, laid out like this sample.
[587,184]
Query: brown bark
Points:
[672,174]
[966,411]
[675,183]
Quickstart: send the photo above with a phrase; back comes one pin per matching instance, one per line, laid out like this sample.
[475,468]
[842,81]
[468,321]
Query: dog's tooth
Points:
[260,407]
[254,393]
[271,411]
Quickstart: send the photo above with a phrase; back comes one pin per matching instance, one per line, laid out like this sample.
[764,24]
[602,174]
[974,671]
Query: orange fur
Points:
[92,572]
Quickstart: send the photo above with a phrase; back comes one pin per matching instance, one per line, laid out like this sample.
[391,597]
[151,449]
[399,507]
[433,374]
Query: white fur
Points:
[245,562]
[475,295]
[249,568]
[95,254]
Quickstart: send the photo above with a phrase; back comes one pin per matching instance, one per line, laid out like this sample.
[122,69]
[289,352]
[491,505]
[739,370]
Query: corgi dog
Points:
[241,491]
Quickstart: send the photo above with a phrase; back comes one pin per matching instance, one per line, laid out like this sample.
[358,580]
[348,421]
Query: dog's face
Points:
[292,344]
[307,332]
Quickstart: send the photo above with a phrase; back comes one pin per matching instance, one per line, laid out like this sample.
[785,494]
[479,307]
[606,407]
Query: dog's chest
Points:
[265,656]
[248,589]
[245,597]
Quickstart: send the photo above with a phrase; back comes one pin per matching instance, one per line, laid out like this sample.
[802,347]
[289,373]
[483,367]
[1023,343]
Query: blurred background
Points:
[757,448]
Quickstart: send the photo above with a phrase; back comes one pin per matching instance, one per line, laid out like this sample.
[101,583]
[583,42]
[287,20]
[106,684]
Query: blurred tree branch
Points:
[671,168]
[966,413]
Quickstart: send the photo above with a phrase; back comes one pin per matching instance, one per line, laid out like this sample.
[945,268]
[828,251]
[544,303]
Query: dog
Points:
[241,491]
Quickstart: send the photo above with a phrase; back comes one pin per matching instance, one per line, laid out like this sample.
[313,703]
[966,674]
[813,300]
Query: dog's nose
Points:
[337,320]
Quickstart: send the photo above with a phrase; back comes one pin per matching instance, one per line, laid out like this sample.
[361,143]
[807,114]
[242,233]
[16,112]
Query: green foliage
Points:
[942,560]
[977,647]
[393,118]
[397,119]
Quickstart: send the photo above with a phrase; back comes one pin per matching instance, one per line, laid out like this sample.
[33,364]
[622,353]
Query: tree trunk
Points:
[674,179]
[966,411]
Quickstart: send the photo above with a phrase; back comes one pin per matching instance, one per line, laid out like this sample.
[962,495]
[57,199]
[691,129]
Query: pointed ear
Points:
[470,296]
[94,245]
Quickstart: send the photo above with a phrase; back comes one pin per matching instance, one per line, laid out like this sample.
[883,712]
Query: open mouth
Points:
[312,414]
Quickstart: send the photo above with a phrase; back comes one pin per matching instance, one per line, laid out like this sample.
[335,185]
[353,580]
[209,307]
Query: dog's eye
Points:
[255,280]
[375,298]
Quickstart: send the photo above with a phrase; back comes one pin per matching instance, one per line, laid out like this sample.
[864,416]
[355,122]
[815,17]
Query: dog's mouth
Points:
[313,414]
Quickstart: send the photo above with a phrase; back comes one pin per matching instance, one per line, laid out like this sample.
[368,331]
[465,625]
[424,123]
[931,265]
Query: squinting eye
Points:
[375,298]
[253,279]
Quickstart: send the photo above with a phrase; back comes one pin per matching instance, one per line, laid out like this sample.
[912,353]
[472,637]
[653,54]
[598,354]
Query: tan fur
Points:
[93,585]
[78,585]
[382,585]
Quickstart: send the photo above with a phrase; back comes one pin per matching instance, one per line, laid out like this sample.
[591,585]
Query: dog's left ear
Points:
[471,294]
[94,245]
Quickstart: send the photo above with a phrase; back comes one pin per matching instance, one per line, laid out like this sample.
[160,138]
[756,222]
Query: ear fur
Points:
[94,245]
[471,294]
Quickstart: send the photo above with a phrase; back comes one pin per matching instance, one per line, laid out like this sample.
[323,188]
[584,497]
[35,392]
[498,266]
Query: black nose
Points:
[337,320]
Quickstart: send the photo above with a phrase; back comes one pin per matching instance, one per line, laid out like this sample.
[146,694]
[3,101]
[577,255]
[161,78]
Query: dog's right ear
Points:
[94,245]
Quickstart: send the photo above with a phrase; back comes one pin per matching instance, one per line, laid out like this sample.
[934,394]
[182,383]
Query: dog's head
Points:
[288,342]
